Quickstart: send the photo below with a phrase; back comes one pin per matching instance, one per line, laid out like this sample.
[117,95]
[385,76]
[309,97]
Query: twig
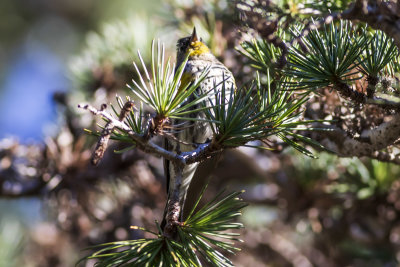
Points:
[141,142]
[102,143]
[202,152]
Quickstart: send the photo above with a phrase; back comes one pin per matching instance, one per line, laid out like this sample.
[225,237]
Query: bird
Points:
[194,132]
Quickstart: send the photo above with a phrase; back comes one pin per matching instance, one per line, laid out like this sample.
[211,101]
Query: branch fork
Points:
[143,142]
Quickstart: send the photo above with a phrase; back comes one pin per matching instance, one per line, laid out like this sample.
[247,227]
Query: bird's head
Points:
[192,46]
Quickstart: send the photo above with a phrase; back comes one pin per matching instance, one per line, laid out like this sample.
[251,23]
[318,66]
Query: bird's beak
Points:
[194,38]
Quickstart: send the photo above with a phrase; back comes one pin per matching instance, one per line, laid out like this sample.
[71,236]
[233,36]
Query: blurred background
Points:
[55,54]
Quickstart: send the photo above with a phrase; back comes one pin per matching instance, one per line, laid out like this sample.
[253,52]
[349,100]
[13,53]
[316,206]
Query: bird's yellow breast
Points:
[197,48]
[185,80]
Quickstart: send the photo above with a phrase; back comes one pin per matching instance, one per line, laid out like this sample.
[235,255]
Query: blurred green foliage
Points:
[11,242]
[362,177]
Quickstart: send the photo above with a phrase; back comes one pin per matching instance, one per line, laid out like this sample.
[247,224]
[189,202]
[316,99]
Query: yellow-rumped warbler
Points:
[195,132]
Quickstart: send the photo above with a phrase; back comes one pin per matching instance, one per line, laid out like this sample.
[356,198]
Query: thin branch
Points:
[202,152]
[102,143]
[346,91]
[174,206]
[126,109]
[141,141]
[367,145]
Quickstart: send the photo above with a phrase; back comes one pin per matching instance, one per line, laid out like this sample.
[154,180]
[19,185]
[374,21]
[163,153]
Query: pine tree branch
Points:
[346,91]
[173,205]
[367,145]
[202,152]
[371,88]
[141,140]
[178,160]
